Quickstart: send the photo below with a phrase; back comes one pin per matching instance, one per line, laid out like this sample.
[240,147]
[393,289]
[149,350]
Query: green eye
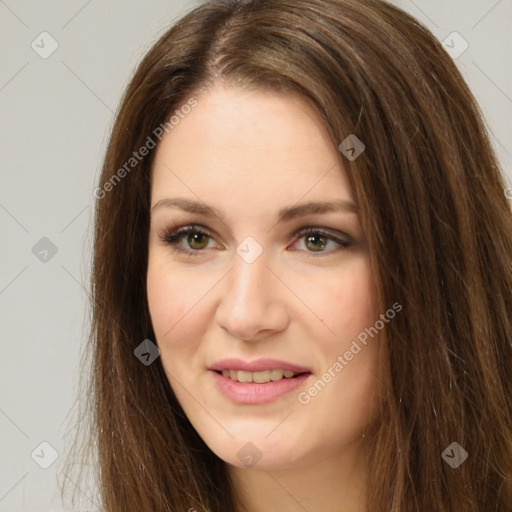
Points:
[316,242]
[193,240]
[197,241]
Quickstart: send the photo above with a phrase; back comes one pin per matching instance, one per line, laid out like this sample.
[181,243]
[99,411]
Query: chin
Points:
[256,450]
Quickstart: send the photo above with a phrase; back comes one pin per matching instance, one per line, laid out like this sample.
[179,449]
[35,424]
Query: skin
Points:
[249,154]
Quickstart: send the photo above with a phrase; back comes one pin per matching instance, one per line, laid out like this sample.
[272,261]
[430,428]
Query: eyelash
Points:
[172,237]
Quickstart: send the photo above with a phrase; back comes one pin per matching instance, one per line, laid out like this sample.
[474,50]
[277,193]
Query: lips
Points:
[236,380]
[258,365]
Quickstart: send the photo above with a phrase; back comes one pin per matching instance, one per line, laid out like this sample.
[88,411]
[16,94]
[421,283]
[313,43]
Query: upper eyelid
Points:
[209,232]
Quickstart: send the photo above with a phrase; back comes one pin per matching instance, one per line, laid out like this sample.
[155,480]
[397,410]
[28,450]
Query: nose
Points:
[252,305]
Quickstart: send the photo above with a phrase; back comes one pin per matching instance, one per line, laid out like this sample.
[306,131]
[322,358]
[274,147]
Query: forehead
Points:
[249,141]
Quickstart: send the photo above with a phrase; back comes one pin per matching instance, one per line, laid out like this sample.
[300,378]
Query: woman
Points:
[302,272]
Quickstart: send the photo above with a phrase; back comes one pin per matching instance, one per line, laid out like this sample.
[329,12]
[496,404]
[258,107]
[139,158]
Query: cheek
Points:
[179,318]
[346,303]
[348,306]
[163,301]
[169,305]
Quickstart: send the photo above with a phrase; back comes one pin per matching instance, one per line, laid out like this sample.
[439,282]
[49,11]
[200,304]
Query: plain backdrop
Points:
[56,113]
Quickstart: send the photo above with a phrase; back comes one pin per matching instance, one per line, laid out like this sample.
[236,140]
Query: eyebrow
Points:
[284,215]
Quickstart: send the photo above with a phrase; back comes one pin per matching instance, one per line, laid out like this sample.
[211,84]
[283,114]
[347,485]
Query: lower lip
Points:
[252,393]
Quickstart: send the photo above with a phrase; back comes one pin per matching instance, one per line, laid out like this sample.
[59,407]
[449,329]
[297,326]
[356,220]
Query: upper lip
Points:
[258,365]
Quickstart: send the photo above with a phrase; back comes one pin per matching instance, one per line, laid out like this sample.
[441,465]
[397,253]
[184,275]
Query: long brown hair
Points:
[433,208]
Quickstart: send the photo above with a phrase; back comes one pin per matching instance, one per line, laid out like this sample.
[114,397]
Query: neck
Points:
[335,483]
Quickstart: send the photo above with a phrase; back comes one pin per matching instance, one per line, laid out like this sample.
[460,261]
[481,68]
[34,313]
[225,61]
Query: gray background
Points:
[56,114]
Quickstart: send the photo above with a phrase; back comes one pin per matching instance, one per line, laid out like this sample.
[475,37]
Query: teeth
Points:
[276,374]
[258,377]
[244,376]
[261,377]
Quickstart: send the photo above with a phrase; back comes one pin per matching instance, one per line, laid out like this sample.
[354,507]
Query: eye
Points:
[195,239]
[316,240]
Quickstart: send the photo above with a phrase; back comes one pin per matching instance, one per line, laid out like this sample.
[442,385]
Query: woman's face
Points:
[267,281]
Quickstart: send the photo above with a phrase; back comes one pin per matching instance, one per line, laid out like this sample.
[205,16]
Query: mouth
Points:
[261,377]
[257,382]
